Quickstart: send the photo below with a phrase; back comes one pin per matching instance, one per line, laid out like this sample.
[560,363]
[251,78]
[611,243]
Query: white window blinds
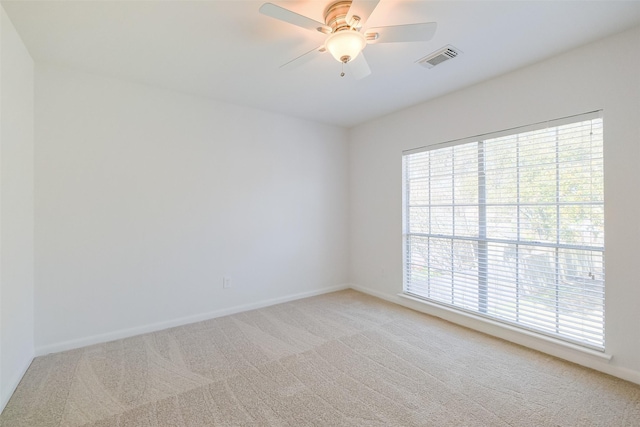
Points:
[511,226]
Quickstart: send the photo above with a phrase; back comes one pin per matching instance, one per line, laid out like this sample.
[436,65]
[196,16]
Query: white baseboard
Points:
[154,327]
[13,384]
[584,357]
[381,295]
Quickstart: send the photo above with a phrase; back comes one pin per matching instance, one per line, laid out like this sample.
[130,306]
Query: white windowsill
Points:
[545,338]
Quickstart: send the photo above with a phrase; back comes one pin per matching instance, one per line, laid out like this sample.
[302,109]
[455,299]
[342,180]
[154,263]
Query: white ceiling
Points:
[227,50]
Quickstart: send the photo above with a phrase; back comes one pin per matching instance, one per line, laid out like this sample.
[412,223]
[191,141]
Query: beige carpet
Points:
[342,359]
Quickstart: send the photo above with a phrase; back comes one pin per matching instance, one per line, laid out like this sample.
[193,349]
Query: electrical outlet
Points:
[226,282]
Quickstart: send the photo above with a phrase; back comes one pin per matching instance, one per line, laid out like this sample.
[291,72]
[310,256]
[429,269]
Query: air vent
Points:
[439,56]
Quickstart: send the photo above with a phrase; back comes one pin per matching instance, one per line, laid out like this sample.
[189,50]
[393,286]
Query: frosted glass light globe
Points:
[345,45]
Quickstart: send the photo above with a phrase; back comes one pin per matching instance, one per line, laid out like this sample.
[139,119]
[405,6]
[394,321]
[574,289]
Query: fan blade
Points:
[362,9]
[286,15]
[401,33]
[304,58]
[359,67]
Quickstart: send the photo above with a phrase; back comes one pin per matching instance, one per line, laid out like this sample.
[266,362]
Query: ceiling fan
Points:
[343,25]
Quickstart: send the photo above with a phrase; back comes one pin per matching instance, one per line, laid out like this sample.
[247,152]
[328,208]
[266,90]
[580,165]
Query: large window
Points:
[511,226]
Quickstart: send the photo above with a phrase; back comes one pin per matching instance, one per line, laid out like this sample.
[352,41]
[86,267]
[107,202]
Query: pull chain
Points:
[342,73]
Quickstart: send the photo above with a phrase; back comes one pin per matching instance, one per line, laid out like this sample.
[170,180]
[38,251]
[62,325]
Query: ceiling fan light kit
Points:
[345,45]
[343,22]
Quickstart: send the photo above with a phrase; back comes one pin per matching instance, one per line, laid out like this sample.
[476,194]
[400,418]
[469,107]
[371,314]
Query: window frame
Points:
[482,239]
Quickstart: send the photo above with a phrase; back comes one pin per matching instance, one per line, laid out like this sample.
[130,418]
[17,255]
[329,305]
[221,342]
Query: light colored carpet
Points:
[341,359]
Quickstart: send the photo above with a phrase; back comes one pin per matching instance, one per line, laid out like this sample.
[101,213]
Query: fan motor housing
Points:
[336,15]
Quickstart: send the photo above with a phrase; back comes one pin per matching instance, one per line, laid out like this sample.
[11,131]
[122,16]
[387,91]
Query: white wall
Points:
[604,75]
[145,198]
[16,208]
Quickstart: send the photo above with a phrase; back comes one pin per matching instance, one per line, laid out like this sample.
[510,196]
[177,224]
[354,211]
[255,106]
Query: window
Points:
[511,226]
